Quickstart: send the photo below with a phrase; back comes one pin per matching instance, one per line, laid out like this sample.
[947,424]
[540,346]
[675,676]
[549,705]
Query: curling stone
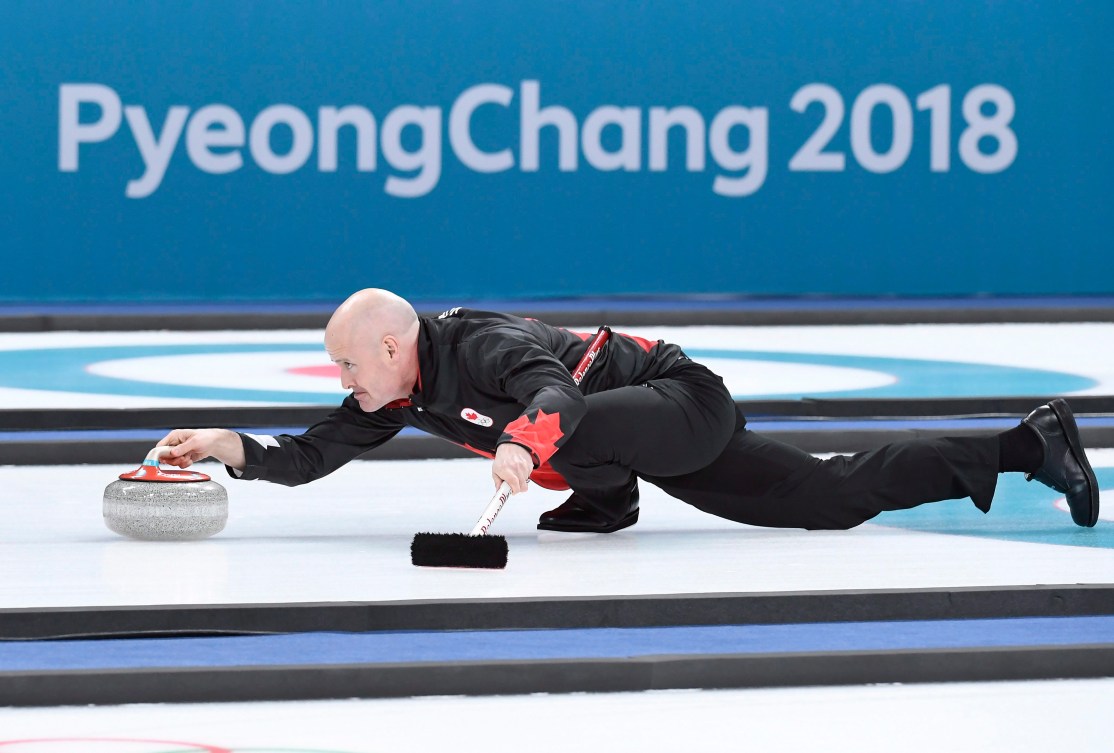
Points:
[156,504]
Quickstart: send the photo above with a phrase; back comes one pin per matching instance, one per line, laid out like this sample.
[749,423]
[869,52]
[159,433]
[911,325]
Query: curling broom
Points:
[477,549]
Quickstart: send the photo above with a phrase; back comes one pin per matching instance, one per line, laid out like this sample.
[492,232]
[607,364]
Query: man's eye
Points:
[349,366]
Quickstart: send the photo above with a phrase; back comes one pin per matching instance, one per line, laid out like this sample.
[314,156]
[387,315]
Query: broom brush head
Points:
[458,550]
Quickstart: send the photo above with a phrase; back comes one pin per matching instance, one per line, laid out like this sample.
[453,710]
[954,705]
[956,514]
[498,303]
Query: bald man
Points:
[501,386]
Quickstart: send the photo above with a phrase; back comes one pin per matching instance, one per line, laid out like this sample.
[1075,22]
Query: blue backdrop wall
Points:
[299,150]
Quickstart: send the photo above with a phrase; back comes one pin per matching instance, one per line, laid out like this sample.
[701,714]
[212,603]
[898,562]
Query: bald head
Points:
[374,312]
[373,337]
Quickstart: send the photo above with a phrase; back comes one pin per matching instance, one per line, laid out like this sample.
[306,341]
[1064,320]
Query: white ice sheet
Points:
[1017,717]
[347,537]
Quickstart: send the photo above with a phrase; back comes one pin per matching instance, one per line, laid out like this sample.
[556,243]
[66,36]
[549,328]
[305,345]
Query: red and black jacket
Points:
[483,379]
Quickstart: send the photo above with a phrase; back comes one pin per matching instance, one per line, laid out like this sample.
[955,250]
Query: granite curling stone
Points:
[156,504]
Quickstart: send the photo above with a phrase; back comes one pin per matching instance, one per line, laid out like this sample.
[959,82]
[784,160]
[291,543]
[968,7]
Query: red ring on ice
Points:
[331,371]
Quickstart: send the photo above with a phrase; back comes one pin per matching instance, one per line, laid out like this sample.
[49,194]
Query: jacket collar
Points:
[426,364]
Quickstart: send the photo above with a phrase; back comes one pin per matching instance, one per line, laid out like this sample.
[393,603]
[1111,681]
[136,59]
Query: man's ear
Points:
[392,346]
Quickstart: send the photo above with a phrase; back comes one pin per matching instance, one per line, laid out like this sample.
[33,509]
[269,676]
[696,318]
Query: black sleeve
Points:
[327,445]
[519,366]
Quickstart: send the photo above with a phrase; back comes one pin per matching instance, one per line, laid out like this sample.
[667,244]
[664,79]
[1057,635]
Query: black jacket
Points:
[483,379]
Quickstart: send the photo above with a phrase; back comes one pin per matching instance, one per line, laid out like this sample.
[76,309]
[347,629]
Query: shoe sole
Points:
[1071,434]
[625,522]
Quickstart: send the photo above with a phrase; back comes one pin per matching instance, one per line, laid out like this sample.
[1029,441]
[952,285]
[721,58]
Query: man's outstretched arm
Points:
[191,445]
[288,459]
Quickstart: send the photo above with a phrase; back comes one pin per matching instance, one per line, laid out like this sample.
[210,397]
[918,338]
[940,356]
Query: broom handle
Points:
[590,355]
[493,508]
[504,491]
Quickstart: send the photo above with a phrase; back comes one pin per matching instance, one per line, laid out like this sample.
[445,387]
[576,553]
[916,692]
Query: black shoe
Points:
[580,515]
[1065,466]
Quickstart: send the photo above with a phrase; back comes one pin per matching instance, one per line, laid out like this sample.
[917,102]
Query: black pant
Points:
[684,434]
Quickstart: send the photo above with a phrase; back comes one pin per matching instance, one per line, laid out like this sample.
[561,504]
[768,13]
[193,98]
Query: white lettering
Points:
[156,152]
[902,142]
[259,139]
[533,120]
[754,159]
[411,137]
[72,132]
[460,128]
[329,121]
[426,159]
[629,154]
[811,156]
[215,126]
[661,120]
[938,102]
[995,127]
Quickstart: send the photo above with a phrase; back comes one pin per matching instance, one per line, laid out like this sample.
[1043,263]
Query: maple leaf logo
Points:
[540,435]
[476,417]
